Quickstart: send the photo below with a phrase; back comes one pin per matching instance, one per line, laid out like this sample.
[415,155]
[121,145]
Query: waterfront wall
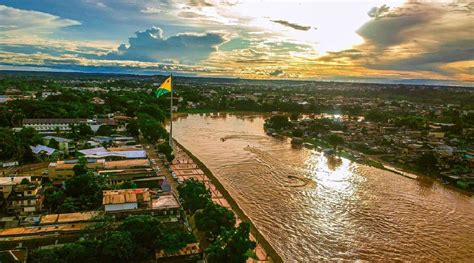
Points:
[235,207]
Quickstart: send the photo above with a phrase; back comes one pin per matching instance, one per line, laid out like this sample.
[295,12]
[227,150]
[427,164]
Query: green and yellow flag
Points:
[164,88]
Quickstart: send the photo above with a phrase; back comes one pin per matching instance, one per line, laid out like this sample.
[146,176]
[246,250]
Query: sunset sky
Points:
[320,40]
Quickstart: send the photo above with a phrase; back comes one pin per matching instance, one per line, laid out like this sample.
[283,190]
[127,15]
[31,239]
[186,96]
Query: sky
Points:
[256,39]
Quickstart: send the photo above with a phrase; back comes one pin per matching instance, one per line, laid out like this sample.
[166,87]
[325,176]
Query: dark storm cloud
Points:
[292,25]
[151,46]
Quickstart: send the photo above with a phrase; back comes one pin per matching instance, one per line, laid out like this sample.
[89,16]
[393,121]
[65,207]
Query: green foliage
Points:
[17,146]
[152,110]
[79,169]
[118,246]
[378,116]
[132,128]
[214,219]
[105,130]
[82,192]
[167,150]
[84,130]
[232,246]
[151,129]
[134,240]
[297,133]
[194,195]
[25,181]
[53,144]
[427,163]
[335,140]
[294,116]
[278,122]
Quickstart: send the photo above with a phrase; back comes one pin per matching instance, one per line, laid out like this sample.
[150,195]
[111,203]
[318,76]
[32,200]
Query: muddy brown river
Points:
[312,209]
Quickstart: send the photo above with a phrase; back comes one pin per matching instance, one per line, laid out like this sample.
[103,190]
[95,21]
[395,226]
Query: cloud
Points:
[415,38]
[15,21]
[199,3]
[151,46]
[292,25]
[151,10]
[378,11]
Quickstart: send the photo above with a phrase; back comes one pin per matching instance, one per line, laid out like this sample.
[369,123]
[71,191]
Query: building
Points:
[115,154]
[69,218]
[126,199]
[139,201]
[63,170]
[52,125]
[191,252]
[20,195]
[65,145]
[44,152]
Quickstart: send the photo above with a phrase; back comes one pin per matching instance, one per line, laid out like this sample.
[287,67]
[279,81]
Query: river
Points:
[314,209]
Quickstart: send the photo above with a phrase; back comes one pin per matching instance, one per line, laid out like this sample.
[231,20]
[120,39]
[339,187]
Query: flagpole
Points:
[171,112]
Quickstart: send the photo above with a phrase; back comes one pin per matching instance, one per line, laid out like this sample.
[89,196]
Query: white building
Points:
[51,125]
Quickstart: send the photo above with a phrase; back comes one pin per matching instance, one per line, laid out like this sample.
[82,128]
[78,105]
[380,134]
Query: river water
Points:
[312,209]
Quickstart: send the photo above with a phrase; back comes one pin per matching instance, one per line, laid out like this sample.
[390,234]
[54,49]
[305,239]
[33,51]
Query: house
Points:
[20,195]
[126,199]
[44,152]
[65,145]
[140,201]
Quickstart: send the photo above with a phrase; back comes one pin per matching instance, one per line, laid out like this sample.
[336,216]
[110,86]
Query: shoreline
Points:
[271,252]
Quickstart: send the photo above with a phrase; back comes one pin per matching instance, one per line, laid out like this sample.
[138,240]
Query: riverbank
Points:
[271,252]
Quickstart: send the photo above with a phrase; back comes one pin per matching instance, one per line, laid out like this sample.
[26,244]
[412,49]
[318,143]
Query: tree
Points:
[118,247]
[232,246]
[175,238]
[153,111]
[194,194]
[44,255]
[132,128]
[53,198]
[84,130]
[151,129]
[69,205]
[214,219]
[145,231]
[105,130]
[294,116]
[167,150]
[427,163]
[53,144]
[25,181]
[297,133]
[79,169]
[278,122]
[335,140]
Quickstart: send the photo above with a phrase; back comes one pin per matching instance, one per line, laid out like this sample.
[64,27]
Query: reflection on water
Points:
[312,208]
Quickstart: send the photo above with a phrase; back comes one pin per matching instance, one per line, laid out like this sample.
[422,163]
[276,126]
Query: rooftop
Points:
[13,180]
[68,217]
[165,202]
[125,196]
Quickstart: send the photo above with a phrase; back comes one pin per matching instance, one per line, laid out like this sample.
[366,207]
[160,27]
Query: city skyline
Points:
[310,40]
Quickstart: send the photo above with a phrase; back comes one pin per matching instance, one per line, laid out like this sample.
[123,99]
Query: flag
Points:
[164,88]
